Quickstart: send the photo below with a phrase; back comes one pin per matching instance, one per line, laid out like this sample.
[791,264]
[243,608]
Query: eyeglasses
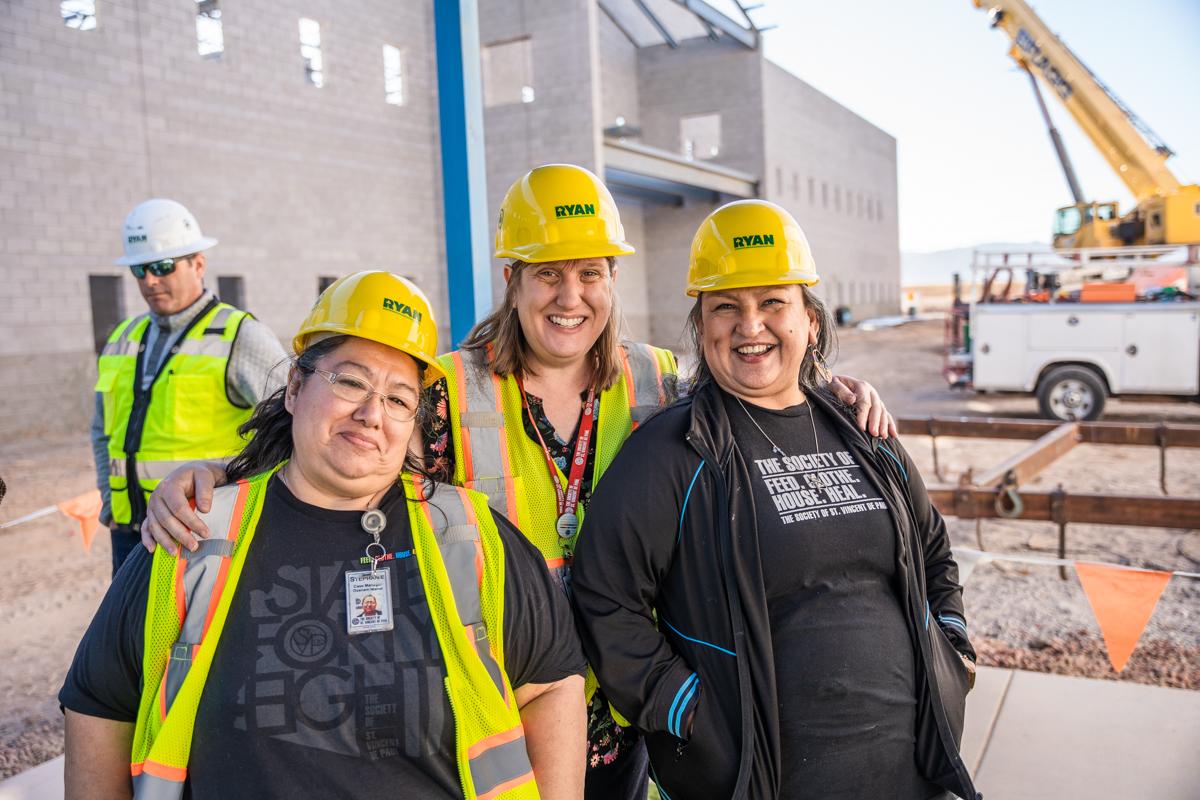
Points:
[355,390]
[156,268]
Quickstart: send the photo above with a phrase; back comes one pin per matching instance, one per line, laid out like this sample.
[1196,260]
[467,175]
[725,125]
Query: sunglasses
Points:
[156,268]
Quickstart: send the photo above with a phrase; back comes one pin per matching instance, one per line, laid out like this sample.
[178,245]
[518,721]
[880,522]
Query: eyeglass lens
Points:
[355,390]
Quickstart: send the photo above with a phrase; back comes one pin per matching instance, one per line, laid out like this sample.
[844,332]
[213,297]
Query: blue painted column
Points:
[464,171]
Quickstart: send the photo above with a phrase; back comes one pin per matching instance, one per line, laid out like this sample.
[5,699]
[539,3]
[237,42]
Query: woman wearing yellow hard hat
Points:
[539,400]
[763,588]
[350,626]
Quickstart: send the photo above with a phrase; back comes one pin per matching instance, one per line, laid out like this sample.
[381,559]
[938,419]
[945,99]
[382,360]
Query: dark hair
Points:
[809,376]
[510,351]
[270,426]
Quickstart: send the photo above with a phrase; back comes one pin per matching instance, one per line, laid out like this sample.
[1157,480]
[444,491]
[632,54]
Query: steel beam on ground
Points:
[464,170]
[1025,465]
[969,502]
[1149,434]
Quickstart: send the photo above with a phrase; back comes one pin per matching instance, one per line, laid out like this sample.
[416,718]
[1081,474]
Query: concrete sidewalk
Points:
[1029,736]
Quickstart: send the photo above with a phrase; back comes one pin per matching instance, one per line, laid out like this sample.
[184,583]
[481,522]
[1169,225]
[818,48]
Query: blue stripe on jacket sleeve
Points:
[687,497]
[684,705]
[697,641]
[676,705]
[949,619]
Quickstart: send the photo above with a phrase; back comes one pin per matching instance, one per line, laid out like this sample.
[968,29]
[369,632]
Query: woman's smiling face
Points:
[563,307]
[754,341]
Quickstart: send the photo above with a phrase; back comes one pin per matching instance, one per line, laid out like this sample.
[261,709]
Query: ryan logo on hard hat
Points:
[575,210]
[754,240]
[402,309]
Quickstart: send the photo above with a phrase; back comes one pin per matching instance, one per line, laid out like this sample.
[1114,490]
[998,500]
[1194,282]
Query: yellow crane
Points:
[1167,211]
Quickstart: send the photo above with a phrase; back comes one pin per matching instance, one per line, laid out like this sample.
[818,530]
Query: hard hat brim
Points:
[199,245]
[564,251]
[433,371]
[718,283]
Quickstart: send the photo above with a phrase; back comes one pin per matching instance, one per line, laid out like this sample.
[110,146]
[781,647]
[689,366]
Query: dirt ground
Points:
[1020,615]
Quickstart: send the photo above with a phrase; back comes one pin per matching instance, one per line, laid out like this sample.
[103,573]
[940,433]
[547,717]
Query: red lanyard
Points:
[568,502]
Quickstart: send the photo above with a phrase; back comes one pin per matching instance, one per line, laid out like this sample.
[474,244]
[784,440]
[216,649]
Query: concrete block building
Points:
[304,136]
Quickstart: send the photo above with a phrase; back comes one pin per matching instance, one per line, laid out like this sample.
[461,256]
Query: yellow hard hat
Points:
[379,306]
[749,243]
[559,212]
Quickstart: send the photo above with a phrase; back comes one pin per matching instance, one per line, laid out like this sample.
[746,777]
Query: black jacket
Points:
[669,590]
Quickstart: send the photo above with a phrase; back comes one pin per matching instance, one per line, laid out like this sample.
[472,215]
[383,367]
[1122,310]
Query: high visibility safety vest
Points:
[186,415]
[493,455]
[461,561]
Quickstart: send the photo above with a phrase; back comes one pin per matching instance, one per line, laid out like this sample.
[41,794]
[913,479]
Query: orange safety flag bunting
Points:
[85,509]
[1122,600]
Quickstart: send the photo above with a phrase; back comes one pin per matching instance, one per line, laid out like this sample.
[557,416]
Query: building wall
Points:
[850,214]
[561,125]
[295,181]
[699,77]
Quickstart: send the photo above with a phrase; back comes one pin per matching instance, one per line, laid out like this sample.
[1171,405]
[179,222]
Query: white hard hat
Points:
[159,229]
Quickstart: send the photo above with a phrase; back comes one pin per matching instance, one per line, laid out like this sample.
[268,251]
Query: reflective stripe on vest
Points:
[500,462]
[461,562]
[188,414]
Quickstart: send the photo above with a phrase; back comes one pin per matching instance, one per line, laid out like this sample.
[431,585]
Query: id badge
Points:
[369,601]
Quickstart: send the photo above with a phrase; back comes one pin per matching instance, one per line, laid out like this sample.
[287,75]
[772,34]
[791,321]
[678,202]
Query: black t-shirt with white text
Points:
[293,704]
[844,659]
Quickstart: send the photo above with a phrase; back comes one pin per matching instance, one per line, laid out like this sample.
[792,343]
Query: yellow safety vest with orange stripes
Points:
[187,416]
[493,455]
[461,560]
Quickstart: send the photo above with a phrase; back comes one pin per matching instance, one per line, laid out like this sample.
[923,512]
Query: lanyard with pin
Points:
[567,522]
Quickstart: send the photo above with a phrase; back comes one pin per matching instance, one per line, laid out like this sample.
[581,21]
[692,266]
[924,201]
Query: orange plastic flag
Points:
[1122,600]
[85,509]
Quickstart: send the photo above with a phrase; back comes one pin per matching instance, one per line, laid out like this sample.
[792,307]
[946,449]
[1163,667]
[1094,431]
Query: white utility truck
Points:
[1073,352]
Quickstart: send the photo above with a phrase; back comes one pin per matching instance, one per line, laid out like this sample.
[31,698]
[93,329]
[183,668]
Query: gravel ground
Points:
[1021,616]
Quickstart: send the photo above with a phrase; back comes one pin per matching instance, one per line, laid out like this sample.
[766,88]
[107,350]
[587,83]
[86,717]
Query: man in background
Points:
[174,383]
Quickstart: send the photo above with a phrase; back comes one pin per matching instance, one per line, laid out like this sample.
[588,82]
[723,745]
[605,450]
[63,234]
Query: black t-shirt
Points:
[844,659]
[295,705]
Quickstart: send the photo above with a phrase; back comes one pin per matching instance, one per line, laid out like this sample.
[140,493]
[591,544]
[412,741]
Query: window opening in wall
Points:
[870,209]
[393,75]
[210,38]
[812,192]
[508,73]
[700,136]
[310,51]
[858,199]
[878,209]
[108,307]
[232,289]
[837,198]
[324,282]
[78,15]
[824,194]
[795,186]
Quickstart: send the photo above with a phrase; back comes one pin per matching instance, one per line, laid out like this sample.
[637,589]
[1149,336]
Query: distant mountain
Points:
[924,269]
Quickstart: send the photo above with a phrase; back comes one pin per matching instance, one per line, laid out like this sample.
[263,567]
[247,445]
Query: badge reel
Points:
[369,591]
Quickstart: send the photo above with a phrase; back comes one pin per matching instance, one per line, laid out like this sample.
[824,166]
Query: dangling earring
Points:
[823,370]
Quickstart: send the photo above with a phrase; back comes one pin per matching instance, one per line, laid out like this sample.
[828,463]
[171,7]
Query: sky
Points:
[975,164]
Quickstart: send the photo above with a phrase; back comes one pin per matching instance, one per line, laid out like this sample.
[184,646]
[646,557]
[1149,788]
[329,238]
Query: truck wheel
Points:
[1071,394]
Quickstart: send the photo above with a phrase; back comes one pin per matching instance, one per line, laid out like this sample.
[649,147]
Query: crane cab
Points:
[1087,225]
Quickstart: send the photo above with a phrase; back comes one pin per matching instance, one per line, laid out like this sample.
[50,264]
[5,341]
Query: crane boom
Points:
[1134,152]
[1167,212]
